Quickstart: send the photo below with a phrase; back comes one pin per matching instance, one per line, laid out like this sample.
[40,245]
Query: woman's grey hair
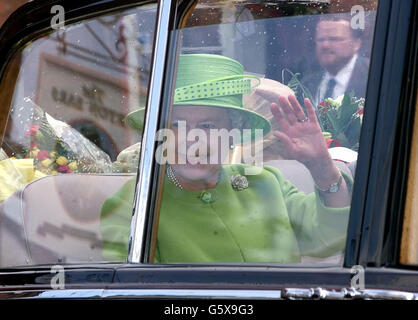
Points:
[237,120]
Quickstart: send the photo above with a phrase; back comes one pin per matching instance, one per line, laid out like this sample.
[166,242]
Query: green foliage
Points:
[48,139]
[342,121]
[297,86]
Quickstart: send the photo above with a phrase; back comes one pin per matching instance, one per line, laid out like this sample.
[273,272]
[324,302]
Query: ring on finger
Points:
[304,120]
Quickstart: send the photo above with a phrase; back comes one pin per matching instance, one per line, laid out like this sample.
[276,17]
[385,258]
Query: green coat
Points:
[270,221]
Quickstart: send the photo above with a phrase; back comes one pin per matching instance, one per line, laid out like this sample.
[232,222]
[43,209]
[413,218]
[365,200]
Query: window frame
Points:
[142,222]
[33,20]
[405,146]
[378,195]
[369,208]
[368,205]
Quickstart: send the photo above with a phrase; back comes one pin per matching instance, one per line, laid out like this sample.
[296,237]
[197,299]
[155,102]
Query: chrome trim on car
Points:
[145,293]
[138,223]
[330,294]
[296,293]
[289,293]
[369,294]
[318,293]
[347,294]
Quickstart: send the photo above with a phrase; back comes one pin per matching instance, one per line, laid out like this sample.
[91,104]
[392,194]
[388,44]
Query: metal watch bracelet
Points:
[333,188]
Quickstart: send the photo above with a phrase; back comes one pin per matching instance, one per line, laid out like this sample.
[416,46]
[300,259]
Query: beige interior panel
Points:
[409,244]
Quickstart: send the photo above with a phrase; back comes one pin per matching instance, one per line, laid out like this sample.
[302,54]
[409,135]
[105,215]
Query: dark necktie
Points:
[330,88]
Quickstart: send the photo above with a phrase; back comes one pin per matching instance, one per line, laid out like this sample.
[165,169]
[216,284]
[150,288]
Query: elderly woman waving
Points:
[211,211]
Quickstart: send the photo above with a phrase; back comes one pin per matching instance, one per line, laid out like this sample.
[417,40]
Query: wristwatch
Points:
[333,188]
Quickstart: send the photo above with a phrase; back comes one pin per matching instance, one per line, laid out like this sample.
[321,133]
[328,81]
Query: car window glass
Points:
[259,140]
[66,144]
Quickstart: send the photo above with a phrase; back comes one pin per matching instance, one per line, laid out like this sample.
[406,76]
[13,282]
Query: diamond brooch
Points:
[239,182]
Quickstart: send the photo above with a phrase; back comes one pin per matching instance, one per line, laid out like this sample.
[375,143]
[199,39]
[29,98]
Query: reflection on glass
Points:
[66,137]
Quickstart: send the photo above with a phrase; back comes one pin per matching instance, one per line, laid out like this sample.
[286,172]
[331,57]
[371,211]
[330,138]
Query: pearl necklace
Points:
[172,177]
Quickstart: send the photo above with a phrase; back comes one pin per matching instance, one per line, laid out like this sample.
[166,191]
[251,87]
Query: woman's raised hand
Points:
[300,136]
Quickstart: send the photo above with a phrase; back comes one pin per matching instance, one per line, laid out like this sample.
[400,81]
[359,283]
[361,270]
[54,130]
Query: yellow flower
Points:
[73,166]
[62,160]
[327,135]
[54,172]
[34,153]
[339,100]
[46,163]
[53,154]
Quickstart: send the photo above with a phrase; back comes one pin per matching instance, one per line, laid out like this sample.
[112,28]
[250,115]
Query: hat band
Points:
[226,86]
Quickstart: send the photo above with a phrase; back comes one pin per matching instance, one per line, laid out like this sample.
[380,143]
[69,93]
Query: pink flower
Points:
[32,131]
[34,144]
[333,142]
[42,155]
[323,109]
[63,168]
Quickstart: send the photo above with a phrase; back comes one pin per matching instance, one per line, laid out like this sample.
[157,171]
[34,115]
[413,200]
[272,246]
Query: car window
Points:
[409,240]
[259,137]
[66,143]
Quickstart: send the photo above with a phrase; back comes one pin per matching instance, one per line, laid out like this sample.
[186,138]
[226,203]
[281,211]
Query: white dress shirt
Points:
[341,78]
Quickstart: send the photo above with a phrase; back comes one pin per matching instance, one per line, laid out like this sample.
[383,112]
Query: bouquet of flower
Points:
[341,119]
[49,153]
[56,147]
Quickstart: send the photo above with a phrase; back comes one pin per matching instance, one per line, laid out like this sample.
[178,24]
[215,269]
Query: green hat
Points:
[212,80]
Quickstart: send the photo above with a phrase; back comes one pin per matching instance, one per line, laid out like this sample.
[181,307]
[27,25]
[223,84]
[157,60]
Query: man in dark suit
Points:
[342,68]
